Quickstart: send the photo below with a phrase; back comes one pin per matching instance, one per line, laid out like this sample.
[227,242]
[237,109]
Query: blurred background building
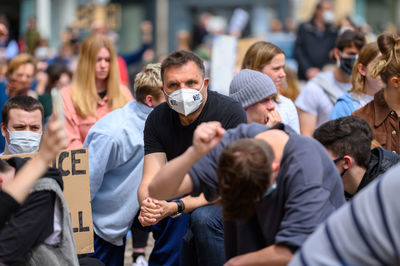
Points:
[175,20]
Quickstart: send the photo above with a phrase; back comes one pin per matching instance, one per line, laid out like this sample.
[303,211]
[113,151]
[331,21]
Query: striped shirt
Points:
[365,231]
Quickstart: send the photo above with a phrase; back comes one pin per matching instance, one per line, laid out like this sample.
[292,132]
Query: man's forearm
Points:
[272,255]
[192,203]
[168,180]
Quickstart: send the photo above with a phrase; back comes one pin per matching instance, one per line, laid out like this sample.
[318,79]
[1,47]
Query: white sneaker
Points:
[140,261]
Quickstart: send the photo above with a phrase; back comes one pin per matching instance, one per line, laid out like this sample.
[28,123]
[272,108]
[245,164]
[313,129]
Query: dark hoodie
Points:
[32,223]
[381,160]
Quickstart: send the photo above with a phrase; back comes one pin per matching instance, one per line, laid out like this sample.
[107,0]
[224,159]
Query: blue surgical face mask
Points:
[24,142]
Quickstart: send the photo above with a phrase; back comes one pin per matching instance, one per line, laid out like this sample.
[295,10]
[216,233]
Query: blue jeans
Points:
[203,244]
[168,234]
[108,253]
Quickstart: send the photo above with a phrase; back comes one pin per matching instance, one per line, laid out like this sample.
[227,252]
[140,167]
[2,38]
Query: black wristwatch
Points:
[181,208]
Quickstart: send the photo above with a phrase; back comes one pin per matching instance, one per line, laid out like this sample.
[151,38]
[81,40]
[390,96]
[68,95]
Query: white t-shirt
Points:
[313,99]
[288,112]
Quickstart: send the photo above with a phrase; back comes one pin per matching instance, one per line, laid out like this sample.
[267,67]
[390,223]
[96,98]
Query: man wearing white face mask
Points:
[168,133]
[319,30]
[22,125]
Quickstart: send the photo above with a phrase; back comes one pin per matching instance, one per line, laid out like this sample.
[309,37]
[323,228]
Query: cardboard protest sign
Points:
[74,167]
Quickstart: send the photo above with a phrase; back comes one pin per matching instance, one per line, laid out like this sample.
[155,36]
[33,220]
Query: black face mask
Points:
[346,63]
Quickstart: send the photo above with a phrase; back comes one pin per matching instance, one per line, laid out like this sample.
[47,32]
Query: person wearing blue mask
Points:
[275,187]
[22,125]
[318,97]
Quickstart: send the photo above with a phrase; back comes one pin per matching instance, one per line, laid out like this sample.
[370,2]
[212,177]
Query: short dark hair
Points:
[54,72]
[25,103]
[348,135]
[244,173]
[180,58]
[349,38]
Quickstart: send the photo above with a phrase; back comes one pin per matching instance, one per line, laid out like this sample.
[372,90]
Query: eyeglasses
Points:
[338,159]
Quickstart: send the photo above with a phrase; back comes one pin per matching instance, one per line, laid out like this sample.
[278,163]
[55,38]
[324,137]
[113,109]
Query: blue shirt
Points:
[3,100]
[116,155]
[345,105]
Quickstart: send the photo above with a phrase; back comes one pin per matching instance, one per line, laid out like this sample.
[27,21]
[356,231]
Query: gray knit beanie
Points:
[249,87]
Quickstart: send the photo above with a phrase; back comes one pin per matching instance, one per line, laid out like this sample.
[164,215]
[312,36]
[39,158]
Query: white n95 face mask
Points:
[185,101]
[24,142]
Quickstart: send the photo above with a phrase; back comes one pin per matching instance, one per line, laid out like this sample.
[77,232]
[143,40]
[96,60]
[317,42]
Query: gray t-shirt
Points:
[308,190]
[312,98]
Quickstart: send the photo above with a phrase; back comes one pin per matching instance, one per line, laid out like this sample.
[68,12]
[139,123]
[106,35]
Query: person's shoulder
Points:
[114,120]
[66,93]
[245,130]
[3,85]
[161,111]
[285,102]
[126,91]
[366,112]
[216,96]
[225,104]
[386,156]
[307,26]
[348,100]
[67,90]
[301,144]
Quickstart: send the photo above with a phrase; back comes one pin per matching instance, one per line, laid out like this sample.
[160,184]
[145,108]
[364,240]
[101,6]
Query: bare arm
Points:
[272,255]
[308,123]
[172,180]
[54,140]
[152,164]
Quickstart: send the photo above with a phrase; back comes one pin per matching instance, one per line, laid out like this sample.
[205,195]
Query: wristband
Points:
[181,208]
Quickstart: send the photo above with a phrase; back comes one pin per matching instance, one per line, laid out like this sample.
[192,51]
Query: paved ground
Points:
[128,250]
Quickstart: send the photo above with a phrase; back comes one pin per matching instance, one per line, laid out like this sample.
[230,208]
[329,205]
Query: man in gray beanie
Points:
[256,92]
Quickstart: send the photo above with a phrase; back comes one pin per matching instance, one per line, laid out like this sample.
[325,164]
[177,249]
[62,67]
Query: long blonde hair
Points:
[84,93]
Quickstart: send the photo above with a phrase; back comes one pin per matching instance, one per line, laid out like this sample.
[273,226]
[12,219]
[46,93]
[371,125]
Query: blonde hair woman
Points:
[364,86]
[383,112]
[96,88]
[269,59]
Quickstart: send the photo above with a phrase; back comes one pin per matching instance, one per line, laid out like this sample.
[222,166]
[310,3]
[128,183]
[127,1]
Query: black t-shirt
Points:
[164,132]
[8,205]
